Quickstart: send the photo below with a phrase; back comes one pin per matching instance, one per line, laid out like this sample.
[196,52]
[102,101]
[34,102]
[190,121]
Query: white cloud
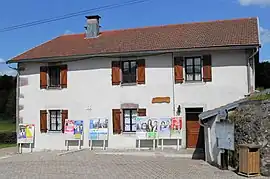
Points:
[264,35]
[2,60]
[8,71]
[254,2]
[68,32]
[5,70]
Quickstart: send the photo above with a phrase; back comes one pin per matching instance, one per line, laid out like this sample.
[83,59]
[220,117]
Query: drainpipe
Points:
[248,69]
[173,86]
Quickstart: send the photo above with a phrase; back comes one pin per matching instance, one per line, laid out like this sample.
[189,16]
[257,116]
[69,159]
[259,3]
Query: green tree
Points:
[263,75]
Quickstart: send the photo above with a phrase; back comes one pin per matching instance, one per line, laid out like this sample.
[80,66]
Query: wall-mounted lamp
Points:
[178,111]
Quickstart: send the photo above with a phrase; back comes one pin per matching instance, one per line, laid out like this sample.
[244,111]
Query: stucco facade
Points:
[90,93]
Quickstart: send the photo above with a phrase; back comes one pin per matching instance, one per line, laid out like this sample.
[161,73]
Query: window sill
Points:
[54,132]
[128,84]
[129,133]
[54,88]
[193,83]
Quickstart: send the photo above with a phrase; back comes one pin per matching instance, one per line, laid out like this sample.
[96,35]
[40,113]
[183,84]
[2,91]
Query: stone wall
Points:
[252,126]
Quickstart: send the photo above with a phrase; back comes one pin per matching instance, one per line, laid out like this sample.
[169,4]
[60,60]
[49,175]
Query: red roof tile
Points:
[237,32]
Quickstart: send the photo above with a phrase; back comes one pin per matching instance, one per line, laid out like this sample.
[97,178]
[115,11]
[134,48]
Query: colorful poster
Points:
[78,129]
[164,127]
[176,126]
[26,133]
[146,127]
[98,129]
[141,127]
[152,128]
[69,126]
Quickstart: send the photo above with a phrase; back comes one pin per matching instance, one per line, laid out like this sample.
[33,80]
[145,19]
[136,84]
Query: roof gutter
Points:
[128,54]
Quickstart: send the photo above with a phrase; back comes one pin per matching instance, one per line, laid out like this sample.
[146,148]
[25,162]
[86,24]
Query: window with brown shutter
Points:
[141,71]
[54,74]
[64,117]
[116,73]
[193,68]
[116,117]
[63,80]
[43,121]
[129,72]
[129,120]
[207,68]
[43,77]
[141,112]
[178,69]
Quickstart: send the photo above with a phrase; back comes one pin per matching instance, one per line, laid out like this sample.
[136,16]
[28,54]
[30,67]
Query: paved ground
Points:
[8,151]
[88,164]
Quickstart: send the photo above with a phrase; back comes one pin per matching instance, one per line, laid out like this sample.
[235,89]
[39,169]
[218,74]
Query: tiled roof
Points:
[237,32]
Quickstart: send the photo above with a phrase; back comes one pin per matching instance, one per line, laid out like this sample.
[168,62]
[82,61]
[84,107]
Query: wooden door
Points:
[195,134]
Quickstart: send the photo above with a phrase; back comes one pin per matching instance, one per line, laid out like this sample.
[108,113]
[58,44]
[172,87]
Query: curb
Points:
[69,152]
[143,154]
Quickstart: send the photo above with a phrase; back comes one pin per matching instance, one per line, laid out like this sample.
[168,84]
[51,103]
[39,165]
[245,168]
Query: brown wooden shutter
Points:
[43,121]
[207,68]
[178,69]
[116,73]
[63,76]
[141,71]
[141,112]
[64,117]
[43,77]
[116,116]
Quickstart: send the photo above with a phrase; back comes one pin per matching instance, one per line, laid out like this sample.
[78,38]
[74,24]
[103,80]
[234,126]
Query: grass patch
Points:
[7,126]
[7,145]
[260,97]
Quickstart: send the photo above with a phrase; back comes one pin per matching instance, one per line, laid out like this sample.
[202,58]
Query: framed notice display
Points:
[74,131]
[98,130]
[176,126]
[78,129]
[26,135]
[141,127]
[69,127]
[164,127]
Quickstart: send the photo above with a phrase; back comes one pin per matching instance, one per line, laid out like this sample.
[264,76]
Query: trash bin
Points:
[249,160]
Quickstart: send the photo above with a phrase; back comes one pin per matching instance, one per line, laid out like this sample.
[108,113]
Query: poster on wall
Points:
[146,128]
[69,126]
[164,127]
[141,127]
[98,129]
[26,133]
[78,129]
[176,126]
[152,128]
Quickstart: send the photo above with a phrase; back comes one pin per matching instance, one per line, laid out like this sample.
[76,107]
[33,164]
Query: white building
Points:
[195,67]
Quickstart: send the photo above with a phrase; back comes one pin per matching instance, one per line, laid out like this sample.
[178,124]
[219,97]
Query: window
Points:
[129,69]
[55,120]
[129,118]
[54,76]
[193,68]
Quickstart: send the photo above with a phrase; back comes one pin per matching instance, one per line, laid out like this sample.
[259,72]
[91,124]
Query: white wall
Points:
[89,85]
[212,152]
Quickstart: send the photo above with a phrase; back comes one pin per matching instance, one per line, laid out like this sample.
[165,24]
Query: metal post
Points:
[17,106]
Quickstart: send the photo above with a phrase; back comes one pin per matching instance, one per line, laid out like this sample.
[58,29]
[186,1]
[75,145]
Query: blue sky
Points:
[152,12]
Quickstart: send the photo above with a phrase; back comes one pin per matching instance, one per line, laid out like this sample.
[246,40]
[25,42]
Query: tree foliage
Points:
[263,75]
[7,97]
